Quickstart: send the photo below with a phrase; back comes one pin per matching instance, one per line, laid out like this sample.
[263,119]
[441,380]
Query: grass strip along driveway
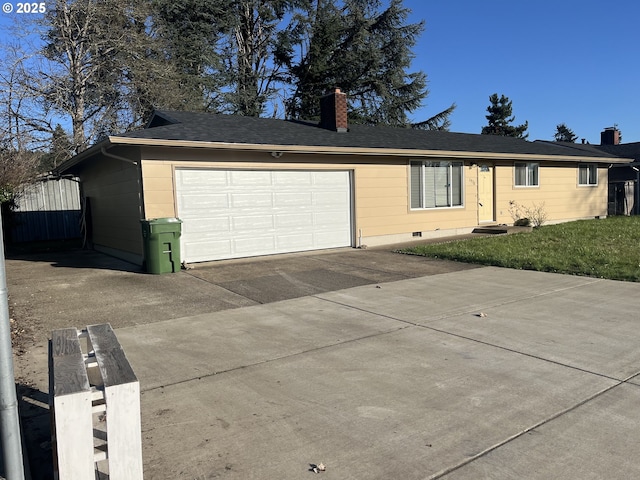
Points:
[605,248]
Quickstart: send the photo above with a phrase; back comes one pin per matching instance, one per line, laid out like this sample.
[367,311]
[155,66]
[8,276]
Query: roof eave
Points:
[73,161]
[359,150]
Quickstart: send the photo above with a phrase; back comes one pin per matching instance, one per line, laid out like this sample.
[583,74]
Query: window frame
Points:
[590,168]
[528,170]
[452,193]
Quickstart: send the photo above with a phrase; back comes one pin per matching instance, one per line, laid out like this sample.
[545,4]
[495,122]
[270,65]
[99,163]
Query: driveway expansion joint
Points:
[275,359]
[533,427]
[482,342]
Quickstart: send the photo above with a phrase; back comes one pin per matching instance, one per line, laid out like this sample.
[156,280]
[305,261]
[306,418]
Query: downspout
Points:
[104,152]
[9,419]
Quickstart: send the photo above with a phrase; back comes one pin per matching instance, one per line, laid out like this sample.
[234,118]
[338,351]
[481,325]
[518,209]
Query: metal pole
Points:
[9,421]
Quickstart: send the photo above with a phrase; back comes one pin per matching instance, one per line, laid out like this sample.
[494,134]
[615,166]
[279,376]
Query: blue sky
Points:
[564,61]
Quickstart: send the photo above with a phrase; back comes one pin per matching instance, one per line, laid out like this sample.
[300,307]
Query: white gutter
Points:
[104,152]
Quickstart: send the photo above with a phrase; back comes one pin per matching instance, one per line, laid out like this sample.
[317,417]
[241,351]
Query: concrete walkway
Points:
[471,374]
[485,373]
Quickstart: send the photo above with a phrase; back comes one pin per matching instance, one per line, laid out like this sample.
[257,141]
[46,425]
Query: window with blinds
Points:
[436,184]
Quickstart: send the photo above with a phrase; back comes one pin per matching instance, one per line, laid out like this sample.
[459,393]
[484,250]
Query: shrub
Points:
[537,214]
[525,216]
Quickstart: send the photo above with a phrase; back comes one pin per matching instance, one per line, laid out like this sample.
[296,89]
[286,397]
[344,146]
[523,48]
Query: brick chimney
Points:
[333,111]
[610,136]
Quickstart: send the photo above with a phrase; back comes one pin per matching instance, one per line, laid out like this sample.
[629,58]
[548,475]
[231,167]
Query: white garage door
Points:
[244,213]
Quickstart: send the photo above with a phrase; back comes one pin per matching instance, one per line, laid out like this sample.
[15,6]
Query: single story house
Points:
[246,186]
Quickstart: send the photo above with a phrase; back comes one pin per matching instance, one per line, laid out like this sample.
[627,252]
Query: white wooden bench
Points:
[95,406]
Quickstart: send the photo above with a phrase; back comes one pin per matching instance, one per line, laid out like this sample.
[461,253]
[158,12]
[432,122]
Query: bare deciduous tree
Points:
[257,49]
[19,139]
[78,73]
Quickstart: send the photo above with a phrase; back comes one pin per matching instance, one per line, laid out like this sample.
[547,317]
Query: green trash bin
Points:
[161,237]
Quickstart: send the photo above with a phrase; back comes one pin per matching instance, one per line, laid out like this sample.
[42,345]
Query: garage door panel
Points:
[246,247]
[334,199]
[205,226]
[288,243]
[195,203]
[301,220]
[242,178]
[240,213]
[251,223]
[321,238]
[194,179]
[329,179]
[292,179]
[291,199]
[206,249]
[251,200]
[330,219]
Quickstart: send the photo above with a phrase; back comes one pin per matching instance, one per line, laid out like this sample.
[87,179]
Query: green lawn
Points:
[607,248]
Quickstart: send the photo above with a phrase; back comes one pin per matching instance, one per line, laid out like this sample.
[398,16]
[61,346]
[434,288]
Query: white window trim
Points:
[587,165]
[527,166]
[462,185]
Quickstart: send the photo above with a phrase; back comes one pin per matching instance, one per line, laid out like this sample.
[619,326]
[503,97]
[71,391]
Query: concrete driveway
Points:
[420,369]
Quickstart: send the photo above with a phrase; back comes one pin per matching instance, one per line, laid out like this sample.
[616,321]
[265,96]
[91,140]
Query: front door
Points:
[485,193]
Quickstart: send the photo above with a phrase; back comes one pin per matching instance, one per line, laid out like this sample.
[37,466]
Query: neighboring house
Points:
[248,186]
[623,178]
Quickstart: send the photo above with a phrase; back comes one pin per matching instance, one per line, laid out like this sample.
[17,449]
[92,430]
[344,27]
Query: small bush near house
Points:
[522,222]
[606,248]
[537,214]
[523,216]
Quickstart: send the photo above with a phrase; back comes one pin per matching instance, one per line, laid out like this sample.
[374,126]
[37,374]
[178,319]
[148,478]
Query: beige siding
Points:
[558,193]
[381,190]
[157,180]
[113,191]
[381,198]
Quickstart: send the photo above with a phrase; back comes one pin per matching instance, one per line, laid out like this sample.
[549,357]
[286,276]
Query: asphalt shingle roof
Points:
[235,129]
[625,150]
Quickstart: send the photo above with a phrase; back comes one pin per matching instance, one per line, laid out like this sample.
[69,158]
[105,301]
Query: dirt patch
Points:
[33,403]
[22,331]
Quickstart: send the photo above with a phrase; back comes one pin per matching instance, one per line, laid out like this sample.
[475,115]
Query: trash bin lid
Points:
[155,221]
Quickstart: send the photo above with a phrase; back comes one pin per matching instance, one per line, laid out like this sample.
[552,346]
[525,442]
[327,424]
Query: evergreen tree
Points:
[60,150]
[367,53]
[190,32]
[322,26]
[500,118]
[106,64]
[439,121]
[564,134]
[257,47]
